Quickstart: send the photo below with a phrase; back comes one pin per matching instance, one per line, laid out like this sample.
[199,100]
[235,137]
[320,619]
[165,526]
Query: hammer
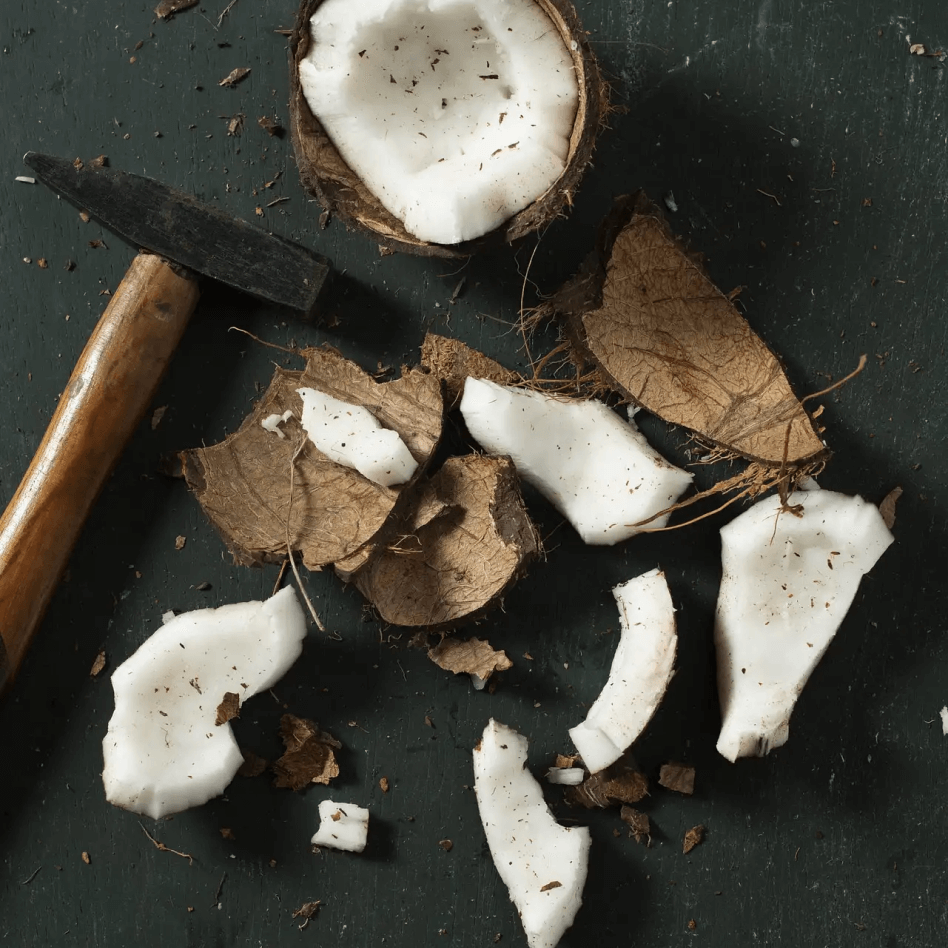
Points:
[123,362]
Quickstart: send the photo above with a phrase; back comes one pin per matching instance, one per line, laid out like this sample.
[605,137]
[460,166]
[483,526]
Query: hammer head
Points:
[177,226]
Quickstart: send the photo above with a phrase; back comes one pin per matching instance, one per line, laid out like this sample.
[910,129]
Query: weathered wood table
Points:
[805,147]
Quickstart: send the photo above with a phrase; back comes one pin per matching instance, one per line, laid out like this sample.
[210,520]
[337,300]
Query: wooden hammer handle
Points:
[107,395]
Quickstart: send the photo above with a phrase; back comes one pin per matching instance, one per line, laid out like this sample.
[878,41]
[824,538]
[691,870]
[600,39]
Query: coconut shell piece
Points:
[339,189]
[693,838]
[309,756]
[243,483]
[615,785]
[637,821]
[678,777]
[643,312]
[464,542]
[887,506]
[453,362]
[469,656]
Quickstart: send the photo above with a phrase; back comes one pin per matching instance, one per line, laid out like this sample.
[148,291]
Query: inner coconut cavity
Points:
[456,114]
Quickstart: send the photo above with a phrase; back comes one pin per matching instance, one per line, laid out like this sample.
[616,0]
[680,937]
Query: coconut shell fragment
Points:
[243,483]
[638,823]
[678,777]
[309,756]
[616,785]
[228,709]
[464,542]
[342,192]
[645,315]
[453,362]
[469,656]
[693,838]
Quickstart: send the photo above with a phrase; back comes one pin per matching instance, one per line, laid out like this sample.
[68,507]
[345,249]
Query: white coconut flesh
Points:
[342,826]
[272,423]
[352,436]
[566,776]
[455,114]
[163,750]
[642,667]
[596,469]
[542,863]
[788,582]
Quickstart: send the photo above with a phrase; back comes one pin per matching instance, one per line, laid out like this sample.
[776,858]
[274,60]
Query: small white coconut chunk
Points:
[163,750]
[642,667]
[787,584]
[455,114]
[542,863]
[566,776]
[944,720]
[351,435]
[272,423]
[596,469]
[342,826]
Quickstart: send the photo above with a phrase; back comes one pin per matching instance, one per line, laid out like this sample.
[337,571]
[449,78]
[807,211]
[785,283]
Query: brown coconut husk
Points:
[464,541]
[341,192]
[454,362]
[644,315]
[325,511]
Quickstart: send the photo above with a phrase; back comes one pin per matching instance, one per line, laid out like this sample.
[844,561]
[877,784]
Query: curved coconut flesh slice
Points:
[542,863]
[466,540]
[596,469]
[641,670]
[434,122]
[645,314]
[789,579]
[169,746]
[243,483]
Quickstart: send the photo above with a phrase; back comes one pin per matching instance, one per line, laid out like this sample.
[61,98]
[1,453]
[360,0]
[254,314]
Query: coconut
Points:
[496,109]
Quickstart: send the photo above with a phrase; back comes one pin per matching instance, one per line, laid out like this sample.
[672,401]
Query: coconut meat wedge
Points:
[450,116]
[790,574]
[169,745]
[542,863]
[641,670]
[596,469]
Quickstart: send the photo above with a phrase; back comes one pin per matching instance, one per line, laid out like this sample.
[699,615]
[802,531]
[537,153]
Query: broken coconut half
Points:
[642,667]
[432,123]
[596,469]
[790,575]
[542,863]
[169,745]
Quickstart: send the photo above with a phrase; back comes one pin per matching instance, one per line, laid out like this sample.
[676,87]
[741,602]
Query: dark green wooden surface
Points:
[837,839]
